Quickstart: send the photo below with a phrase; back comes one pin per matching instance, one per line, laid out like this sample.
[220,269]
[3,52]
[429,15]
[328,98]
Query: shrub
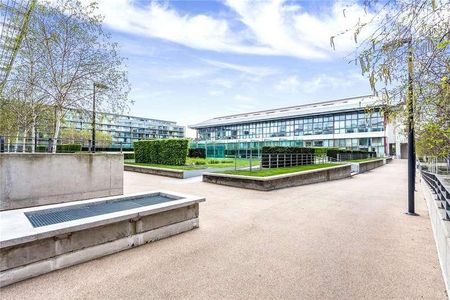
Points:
[164,152]
[68,148]
[197,153]
[129,155]
[350,154]
[41,148]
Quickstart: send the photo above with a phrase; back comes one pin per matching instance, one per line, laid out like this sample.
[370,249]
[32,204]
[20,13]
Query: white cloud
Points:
[242,98]
[291,83]
[270,27]
[255,71]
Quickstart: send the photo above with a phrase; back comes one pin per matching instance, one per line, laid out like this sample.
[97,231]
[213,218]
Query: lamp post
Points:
[411,142]
[410,112]
[100,86]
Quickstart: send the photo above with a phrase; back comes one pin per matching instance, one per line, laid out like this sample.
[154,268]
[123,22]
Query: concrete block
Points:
[33,179]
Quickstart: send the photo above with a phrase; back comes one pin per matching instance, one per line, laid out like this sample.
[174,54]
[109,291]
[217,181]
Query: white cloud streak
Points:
[268,27]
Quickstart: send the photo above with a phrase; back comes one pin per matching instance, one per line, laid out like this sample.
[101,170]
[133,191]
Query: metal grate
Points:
[59,215]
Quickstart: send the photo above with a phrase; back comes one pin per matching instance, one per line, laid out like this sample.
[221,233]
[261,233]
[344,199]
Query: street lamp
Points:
[100,86]
[410,107]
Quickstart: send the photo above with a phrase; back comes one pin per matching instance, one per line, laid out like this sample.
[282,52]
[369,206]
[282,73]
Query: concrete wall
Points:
[441,230]
[369,165]
[155,171]
[279,181]
[28,179]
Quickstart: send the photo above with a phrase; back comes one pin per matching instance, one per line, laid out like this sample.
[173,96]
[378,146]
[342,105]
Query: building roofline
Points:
[233,119]
[291,107]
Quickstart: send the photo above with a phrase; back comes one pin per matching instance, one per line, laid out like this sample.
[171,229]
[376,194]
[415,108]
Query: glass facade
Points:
[304,131]
[124,129]
[302,126]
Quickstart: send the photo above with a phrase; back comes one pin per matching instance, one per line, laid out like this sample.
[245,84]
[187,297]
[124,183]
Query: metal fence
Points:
[436,165]
[440,187]
[14,144]
[352,156]
[281,160]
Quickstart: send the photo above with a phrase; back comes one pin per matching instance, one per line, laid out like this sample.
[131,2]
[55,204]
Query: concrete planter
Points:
[27,251]
[370,165]
[155,171]
[28,179]
[279,181]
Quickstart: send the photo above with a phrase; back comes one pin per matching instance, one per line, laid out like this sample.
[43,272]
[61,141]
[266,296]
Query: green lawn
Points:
[200,163]
[362,160]
[277,171]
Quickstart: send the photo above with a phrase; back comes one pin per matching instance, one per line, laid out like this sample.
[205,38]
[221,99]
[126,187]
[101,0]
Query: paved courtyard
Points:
[346,239]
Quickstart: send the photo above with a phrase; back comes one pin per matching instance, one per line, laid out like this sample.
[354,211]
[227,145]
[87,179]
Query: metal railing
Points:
[352,156]
[440,188]
[14,144]
[281,160]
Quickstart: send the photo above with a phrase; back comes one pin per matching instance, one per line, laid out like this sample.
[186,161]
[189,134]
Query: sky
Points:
[189,61]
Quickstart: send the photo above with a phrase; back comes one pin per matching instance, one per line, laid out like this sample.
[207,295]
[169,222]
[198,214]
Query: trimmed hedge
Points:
[164,152]
[68,148]
[197,153]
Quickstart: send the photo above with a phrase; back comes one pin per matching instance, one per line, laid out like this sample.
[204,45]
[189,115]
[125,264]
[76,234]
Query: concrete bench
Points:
[38,240]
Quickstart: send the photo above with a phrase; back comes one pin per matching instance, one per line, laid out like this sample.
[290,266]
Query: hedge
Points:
[164,151]
[68,148]
[197,153]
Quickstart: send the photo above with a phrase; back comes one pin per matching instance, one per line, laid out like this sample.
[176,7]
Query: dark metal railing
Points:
[281,160]
[440,190]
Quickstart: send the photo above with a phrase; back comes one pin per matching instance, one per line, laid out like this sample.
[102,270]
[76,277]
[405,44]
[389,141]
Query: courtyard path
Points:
[346,239]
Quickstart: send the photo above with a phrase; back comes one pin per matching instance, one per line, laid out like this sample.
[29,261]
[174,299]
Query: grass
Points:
[200,163]
[277,171]
[362,160]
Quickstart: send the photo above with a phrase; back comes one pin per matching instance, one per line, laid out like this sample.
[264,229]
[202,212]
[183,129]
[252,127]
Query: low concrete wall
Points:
[369,165]
[155,171]
[441,230]
[28,179]
[279,181]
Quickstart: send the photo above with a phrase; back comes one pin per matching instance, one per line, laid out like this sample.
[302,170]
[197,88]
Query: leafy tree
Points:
[398,31]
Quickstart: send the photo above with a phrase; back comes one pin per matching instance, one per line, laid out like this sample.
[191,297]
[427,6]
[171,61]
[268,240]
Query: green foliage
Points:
[197,152]
[129,155]
[165,152]
[433,140]
[68,148]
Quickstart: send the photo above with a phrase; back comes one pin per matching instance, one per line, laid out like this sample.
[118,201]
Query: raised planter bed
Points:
[155,171]
[38,240]
[270,183]
[365,166]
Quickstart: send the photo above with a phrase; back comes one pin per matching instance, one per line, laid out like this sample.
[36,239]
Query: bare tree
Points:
[74,53]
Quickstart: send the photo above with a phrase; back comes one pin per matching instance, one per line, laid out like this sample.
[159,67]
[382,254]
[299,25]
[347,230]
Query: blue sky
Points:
[193,60]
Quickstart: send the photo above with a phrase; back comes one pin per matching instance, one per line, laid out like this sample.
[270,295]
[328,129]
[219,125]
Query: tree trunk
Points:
[57,128]
[24,141]
[33,134]
[17,142]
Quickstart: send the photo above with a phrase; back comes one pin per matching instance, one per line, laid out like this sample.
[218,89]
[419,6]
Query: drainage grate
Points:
[59,215]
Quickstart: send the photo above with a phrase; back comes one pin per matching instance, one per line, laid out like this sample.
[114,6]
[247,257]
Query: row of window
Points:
[330,124]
